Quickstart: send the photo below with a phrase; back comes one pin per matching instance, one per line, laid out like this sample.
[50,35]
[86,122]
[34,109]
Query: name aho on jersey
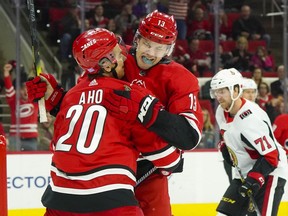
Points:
[91,97]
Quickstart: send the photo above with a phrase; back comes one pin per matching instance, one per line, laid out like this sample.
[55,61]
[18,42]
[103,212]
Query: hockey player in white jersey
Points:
[250,92]
[260,164]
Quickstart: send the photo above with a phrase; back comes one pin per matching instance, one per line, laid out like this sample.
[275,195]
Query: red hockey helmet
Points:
[159,27]
[93,45]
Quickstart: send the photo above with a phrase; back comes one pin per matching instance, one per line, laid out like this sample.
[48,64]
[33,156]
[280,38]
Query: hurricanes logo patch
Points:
[139,83]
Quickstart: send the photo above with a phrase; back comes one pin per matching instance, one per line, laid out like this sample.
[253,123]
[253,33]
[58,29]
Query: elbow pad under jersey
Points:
[175,130]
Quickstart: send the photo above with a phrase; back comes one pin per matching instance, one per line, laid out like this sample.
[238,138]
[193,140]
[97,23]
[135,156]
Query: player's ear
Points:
[236,89]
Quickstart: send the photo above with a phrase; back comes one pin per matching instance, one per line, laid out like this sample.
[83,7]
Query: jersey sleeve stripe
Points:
[192,120]
[157,156]
[174,163]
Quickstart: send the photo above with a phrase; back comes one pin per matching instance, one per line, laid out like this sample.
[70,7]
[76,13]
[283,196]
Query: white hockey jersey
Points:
[249,136]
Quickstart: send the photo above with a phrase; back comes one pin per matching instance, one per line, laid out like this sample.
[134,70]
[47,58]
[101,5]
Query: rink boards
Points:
[195,192]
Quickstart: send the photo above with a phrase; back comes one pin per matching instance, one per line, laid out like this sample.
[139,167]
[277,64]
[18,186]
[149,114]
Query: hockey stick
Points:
[36,57]
[234,161]
[146,175]
[251,195]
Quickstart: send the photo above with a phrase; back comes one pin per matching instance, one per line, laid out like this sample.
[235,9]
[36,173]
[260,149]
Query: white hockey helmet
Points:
[226,78]
[249,84]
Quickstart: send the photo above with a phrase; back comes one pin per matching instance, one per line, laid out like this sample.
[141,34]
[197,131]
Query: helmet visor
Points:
[117,54]
[215,93]
[152,48]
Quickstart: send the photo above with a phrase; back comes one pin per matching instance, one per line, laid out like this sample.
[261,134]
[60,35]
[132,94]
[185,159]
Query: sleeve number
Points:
[77,110]
[193,104]
[263,142]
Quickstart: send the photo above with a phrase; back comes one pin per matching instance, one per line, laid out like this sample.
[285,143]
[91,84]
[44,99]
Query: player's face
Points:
[149,53]
[223,97]
[249,94]
[117,62]
[120,58]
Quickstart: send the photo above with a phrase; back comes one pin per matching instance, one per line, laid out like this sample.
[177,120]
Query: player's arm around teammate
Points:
[94,154]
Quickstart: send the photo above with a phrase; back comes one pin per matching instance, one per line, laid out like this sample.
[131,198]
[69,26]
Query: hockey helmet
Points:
[90,47]
[249,84]
[250,90]
[226,78]
[159,28]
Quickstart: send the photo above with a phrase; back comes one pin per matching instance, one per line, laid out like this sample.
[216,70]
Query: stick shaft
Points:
[146,175]
[251,196]
[36,56]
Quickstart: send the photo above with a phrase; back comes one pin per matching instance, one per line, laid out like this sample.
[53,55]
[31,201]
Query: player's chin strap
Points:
[233,101]
[113,71]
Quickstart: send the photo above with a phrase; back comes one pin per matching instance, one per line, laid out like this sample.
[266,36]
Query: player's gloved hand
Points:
[251,185]
[36,88]
[132,104]
[45,85]
[225,153]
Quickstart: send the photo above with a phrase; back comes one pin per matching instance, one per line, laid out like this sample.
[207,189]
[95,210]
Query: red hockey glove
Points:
[133,104]
[225,153]
[35,88]
[252,184]
[45,85]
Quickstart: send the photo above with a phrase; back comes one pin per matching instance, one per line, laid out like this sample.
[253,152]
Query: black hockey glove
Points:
[132,104]
[225,153]
[251,186]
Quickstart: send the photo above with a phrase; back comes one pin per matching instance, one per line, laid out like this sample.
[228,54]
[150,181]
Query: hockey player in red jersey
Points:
[260,164]
[280,129]
[148,65]
[93,170]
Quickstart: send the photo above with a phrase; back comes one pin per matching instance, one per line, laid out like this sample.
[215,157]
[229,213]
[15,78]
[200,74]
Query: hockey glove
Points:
[225,153]
[251,184]
[45,85]
[133,104]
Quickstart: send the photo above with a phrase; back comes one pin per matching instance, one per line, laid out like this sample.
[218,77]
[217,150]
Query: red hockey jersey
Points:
[95,154]
[280,128]
[175,86]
